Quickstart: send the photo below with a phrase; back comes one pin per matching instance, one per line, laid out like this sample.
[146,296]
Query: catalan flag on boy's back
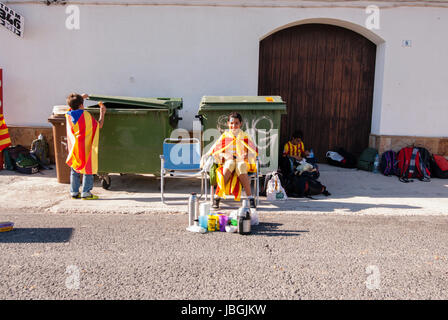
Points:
[82,138]
[5,139]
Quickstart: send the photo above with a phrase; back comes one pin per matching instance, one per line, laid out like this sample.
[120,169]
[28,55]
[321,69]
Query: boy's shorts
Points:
[240,167]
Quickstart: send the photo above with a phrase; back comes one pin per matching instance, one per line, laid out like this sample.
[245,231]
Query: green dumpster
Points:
[261,119]
[132,136]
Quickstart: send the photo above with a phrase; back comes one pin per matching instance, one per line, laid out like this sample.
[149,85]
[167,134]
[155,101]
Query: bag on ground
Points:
[19,158]
[439,167]
[350,158]
[340,158]
[425,157]
[411,166]
[388,164]
[305,186]
[274,190]
[40,149]
[366,159]
[25,163]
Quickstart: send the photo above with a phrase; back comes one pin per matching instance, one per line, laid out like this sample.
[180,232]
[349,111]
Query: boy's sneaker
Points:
[216,203]
[78,196]
[252,203]
[90,197]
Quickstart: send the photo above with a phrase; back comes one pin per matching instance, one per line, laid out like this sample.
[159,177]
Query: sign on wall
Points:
[11,20]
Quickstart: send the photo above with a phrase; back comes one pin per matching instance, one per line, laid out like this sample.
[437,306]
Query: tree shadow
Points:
[37,235]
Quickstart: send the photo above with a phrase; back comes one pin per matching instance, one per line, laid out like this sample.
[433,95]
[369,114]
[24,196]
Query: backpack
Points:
[350,158]
[425,156]
[411,166]
[388,163]
[40,149]
[335,159]
[305,186]
[19,158]
[341,158]
[367,159]
[439,167]
[25,163]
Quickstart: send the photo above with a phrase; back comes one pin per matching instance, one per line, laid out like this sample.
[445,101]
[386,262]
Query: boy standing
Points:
[82,138]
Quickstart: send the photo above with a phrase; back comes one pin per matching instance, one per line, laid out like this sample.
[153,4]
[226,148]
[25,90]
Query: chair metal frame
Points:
[182,173]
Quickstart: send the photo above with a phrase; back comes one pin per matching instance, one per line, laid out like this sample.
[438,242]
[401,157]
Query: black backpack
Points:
[19,158]
[389,163]
[425,158]
[439,167]
[350,158]
[339,157]
[305,186]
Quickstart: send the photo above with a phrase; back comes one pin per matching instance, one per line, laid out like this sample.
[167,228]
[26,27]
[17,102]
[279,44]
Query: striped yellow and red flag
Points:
[233,186]
[5,139]
[242,144]
[82,138]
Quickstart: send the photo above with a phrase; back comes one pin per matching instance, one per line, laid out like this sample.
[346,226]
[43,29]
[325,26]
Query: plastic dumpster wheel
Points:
[106,182]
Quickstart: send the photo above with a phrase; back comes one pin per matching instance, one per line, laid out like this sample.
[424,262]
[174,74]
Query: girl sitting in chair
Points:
[236,155]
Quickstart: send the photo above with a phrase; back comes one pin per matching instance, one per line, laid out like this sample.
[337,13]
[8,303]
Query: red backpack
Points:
[410,165]
[439,167]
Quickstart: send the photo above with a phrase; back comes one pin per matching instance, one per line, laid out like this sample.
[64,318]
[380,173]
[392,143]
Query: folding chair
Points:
[181,159]
[253,178]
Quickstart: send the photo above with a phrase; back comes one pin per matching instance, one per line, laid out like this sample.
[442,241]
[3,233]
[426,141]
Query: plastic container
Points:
[213,223]
[203,222]
[376,164]
[6,226]
[204,208]
[60,110]
[223,221]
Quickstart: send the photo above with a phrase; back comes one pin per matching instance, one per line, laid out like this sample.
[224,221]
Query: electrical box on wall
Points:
[406,43]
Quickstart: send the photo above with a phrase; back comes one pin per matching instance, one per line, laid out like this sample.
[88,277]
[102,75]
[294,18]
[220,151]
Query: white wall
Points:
[191,51]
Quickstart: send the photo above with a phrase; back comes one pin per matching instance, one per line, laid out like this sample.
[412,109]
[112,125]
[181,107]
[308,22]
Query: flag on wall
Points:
[82,138]
[5,139]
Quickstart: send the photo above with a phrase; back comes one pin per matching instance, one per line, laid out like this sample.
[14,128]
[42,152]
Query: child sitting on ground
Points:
[294,150]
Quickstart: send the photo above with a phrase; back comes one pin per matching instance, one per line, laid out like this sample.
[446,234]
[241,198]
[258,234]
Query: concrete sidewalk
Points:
[352,192]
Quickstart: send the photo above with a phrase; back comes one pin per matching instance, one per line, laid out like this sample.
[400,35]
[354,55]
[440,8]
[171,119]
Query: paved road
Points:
[151,256]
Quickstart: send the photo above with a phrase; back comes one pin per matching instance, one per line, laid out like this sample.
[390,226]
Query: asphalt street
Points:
[152,256]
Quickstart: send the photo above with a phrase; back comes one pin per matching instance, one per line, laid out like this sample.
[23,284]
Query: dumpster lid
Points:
[153,103]
[242,103]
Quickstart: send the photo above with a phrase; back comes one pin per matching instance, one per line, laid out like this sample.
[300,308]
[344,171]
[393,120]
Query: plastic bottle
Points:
[311,154]
[244,219]
[376,164]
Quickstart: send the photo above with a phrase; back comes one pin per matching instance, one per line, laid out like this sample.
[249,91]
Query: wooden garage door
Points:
[325,74]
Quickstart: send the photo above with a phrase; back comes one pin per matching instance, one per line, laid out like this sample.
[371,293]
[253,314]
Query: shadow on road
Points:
[271,229]
[36,235]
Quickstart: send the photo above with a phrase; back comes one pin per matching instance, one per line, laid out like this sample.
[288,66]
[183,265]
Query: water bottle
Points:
[193,202]
[244,219]
[311,154]
[376,164]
